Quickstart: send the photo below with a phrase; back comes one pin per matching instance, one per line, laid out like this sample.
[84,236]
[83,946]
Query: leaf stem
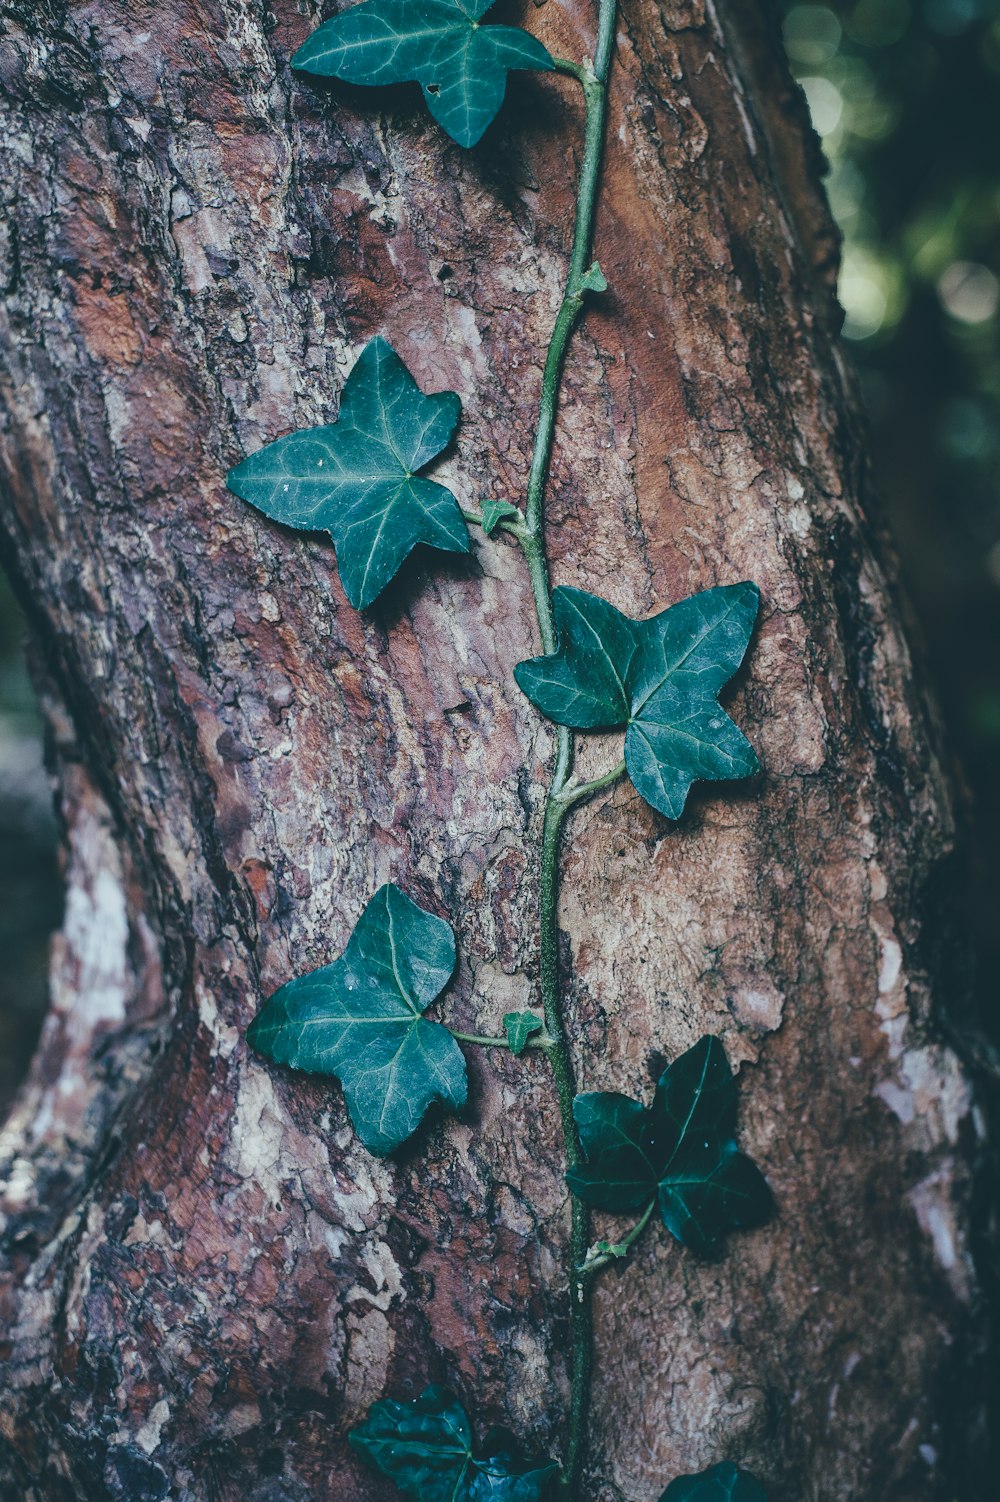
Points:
[479,1039]
[531,535]
[571,69]
[599,1257]
[575,792]
[540,1041]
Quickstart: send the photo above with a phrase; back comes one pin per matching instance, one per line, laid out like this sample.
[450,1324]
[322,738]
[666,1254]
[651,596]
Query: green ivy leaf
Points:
[722,1483]
[357,478]
[681,1151]
[520,1027]
[426,1448]
[360,1020]
[659,678]
[495,512]
[440,44]
[497,1479]
[593,279]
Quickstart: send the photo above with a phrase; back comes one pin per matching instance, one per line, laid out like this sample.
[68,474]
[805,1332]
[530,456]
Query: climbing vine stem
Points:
[561,795]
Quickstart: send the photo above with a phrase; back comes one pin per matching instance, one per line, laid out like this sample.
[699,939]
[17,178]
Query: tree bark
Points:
[205,1279]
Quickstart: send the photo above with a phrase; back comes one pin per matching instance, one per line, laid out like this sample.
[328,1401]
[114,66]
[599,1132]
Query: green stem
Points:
[571,69]
[575,792]
[531,536]
[479,1039]
[581,1322]
[596,1259]
[484,1042]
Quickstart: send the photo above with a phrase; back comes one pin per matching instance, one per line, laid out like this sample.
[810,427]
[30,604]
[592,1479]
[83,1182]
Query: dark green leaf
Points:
[501,1479]
[621,1151]
[461,65]
[360,1019]
[426,1448]
[495,512]
[658,677]
[357,478]
[585,683]
[722,1483]
[519,1027]
[681,1151]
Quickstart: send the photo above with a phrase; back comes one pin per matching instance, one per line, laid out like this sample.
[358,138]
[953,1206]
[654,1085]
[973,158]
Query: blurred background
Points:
[905,96]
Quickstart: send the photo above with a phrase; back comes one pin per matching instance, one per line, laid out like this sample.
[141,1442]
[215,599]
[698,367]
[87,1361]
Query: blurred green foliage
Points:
[905,95]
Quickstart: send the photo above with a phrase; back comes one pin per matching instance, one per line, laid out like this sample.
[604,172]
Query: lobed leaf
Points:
[357,478]
[721,1483]
[461,65]
[426,1448]
[680,1151]
[659,678]
[360,1020]
[520,1027]
[495,512]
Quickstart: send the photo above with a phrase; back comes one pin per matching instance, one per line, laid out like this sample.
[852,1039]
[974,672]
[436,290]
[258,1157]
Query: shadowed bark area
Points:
[205,1280]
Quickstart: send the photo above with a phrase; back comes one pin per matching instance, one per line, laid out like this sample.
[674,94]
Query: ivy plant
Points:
[426,1447]
[678,1155]
[659,678]
[362,1018]
[460,64]
[721,1483]
[358,478]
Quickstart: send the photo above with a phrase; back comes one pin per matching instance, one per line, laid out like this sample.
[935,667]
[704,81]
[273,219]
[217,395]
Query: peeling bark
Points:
[205,1280]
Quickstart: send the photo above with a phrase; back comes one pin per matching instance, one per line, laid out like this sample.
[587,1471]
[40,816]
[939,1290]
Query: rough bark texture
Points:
[205,1280]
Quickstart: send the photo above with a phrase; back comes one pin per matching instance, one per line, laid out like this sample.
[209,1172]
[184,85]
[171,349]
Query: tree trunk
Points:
[206,1280]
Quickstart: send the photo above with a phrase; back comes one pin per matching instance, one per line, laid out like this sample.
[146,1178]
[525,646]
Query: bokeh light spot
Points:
[826,103]
[812,34]
[969,291]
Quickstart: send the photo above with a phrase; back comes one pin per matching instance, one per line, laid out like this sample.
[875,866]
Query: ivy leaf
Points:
[502,1477]
[426,1448]
[593,279]
[657,677]
[360,1020]
[585,683]
[721,1483]
[519,1027]
[495,512]
[680,1151]
[440,44]
[357,478]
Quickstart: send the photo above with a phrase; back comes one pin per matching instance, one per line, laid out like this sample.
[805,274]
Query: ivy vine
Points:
[362,1018]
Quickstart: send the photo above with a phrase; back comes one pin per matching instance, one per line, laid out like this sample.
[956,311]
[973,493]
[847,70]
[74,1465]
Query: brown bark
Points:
[205,1280]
